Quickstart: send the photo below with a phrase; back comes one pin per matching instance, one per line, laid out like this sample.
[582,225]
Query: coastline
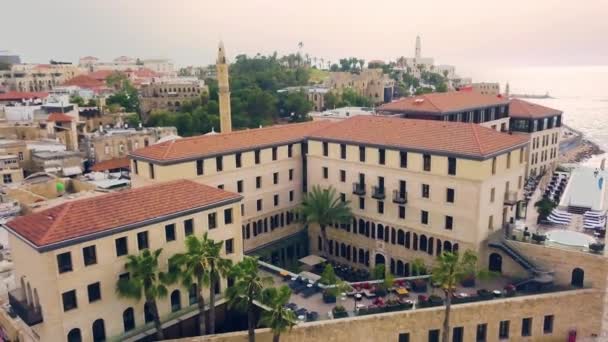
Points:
[584,150]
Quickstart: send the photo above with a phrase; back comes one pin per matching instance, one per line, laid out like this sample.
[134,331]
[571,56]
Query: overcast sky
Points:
[462,32]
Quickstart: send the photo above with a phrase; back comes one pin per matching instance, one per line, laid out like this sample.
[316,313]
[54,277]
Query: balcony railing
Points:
[511,197]
[359,189]
[399,197]
[378,192]
[27,313]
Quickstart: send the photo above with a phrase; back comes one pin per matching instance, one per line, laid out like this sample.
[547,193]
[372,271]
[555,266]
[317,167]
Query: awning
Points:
[312,260]
[72,170]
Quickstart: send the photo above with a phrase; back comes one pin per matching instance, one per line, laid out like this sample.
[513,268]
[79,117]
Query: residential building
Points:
[342,113]
[168,93]
[315,94]
[37,77]
[10,171]
[486,88]
[542,125]
[69,257]
[63,163]
[458,106]
[371,83]
[17,148]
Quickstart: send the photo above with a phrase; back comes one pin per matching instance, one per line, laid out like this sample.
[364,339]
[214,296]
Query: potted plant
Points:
[596,247]
[329,296]
[539,238]
[339,311]
[510,290]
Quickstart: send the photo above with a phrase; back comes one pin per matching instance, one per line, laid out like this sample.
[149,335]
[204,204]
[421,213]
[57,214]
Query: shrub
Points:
[596,247]
[339,311]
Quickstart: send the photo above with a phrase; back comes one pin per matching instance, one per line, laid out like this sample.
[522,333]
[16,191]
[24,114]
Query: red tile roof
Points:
[85,81]
[78,220]
[528,110]
[467,140]
[22,95]
[59,117]
[101,75]
[438,103]
[209,145]
[112,164]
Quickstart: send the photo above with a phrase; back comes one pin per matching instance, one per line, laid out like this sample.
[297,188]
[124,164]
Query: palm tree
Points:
[217,267]
[324,207]
[451,269]
[145,280]
[278,317]
[191,268]
[248,287]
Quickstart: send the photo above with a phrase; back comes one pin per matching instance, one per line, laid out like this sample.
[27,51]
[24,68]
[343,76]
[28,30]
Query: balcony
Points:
[29,314]
[511,198]
[399,197]
[378,192]
[359,189]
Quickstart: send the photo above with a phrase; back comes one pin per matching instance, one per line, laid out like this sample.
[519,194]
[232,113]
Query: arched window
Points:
[447,246]
[406,269]
[362,227]
[392,266]
[74,335]
[148,314]
[415,241]
[320,244]
[367,228]
[176,301]
[430,246]
[348,253]
[578,277]
[423,242]
[455,248]
[407,240]
[99,331]
[342,250]
[495,263]
[361,256]
[400,237]
[336,248]
[193,294]
[128,319]
[331,247]
[438,247]
[399,268]
[366,258]
[386,234]
[255,229]
[380,232]
[247,231]
[393,236]
[373,231]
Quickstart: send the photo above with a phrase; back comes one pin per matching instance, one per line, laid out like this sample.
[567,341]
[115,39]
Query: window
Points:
[503,330]
[526,326]
[290,150]
[380,207]
[258,182]
[259,205]
[403,159]
[521,155]
[325,149]
[548,324]
[482,332]
[494,165]
[342,197]
[69,300]
[290,174]
[325,173]
[492,195]
[221,186]
[426,191]
[274,153]
[151,169]
[128,319]
[404,337]
[142,240]
[402,212]
[342,176]
[509,160]
[237,159]
[290,195]
[362,153]
[7,178]
[361,203]
[89,255]
[121,246]
[343,151]
[257,156]
[176,302]
[434,335]
[449,222]
[424,217]
[188,227]
[449,195]
[457,334]
[219,163]
[135,167]
[491,222]
[426,162]
[451,166]
[381,156]
[170,232]
[94,291]
[275,178]
[239,186]
[229,246]
[276,200]
[64,262]
[212,220]
[199,167]
[99,331]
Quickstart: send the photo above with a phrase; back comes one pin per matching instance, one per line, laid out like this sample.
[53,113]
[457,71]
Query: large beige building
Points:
[69,258]
[37,77]
[542,125]
[486,88]
[169,93]
[372,83]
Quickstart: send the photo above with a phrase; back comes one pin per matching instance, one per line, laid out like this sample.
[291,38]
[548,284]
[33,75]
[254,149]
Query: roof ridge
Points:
[476,136]
[427,98]
[64,209]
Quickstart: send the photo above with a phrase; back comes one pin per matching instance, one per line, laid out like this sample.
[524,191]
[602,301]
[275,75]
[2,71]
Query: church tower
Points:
[224,90]
[418,48]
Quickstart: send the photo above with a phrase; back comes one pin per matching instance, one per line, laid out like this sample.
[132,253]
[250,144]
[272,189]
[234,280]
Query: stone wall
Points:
[573,312]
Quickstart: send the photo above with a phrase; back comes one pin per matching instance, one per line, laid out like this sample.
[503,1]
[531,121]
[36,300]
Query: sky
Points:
[465,33]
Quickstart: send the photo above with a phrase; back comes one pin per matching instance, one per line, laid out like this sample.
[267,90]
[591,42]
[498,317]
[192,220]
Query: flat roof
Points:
[440,103]
[586,188]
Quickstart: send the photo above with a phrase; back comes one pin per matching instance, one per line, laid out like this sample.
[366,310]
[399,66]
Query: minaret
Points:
[418,48]
[507,90]
[224,90]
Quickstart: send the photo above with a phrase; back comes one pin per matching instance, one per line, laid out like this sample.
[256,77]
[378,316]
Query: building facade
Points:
[169,93]
[10,171]
[37,77]
[542,125]
[371,83]
[67,271]
[486,88]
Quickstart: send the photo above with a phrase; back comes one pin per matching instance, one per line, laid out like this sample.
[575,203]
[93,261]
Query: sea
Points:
[581,92]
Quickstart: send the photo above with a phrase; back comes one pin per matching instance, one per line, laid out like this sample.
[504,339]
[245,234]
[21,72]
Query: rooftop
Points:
[85,81]
[22,95]
[586,189]
[76,221]
[215,144]
[442,137]
[439,103]
[528,110]
[117,163]
[60,117]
